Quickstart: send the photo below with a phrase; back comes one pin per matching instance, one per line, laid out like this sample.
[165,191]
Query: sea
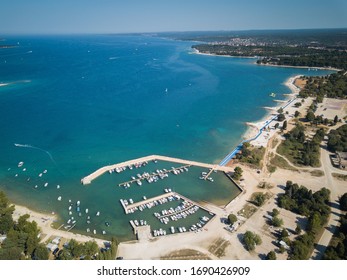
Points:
[72,104]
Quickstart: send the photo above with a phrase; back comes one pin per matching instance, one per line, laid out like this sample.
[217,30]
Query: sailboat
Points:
[272,94]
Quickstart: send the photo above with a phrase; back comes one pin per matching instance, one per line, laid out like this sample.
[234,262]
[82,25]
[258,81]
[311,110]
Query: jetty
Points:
[88,179]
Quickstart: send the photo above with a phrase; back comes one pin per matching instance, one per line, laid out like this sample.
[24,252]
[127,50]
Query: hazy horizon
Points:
[152,16]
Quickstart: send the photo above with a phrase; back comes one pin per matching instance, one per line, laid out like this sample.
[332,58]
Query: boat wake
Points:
[36,148]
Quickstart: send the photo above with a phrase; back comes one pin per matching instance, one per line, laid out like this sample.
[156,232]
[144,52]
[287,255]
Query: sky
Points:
[125,16]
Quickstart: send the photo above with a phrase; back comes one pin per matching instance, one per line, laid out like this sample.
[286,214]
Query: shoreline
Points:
[196,51]
[254,127]
[44,222]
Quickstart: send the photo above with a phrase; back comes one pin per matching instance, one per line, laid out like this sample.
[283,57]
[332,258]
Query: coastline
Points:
[300,67]
[45,221]
[196,51]
[254,127]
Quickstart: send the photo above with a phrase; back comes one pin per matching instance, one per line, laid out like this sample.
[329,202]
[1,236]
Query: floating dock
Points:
[88,179]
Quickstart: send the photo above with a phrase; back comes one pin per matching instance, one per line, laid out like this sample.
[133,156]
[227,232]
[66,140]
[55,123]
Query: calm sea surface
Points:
[77,103]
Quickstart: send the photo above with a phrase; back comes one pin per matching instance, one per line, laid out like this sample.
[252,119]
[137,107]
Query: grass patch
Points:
[281,163]
[317,173]
[271,168]
[340,177]
[218,247]
[247,211]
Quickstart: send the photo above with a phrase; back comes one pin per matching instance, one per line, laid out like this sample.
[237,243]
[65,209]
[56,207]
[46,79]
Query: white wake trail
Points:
[37,148]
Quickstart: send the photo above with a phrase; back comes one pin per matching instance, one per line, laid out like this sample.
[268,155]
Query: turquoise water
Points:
[81,102]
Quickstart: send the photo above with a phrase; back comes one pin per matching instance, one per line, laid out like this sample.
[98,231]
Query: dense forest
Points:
[332,86]
[315,206]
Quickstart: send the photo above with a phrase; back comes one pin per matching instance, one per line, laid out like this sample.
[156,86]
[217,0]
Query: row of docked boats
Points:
[130,167]
[150,204]
[154,176]
[139,223]
[204,177]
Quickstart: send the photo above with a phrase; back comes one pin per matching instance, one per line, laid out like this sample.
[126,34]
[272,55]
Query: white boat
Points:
[103,232]
[94,231]
[24,169]
[58,186]
[46,184]
[78,203]
[20,164]
[59,198]
[36,186]
[87,211]
[98,213]
[172,230]
[70,207]
[139,182]
[45,171]
[88,229]
[144,197]
[40,175]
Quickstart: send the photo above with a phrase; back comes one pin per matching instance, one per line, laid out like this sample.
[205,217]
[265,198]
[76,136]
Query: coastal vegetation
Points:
[237,173]
[87,251]
[251,155]
[21,237]
[332,86]
[315,206]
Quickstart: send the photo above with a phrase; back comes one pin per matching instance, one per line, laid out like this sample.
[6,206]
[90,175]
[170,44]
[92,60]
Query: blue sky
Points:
[119,16]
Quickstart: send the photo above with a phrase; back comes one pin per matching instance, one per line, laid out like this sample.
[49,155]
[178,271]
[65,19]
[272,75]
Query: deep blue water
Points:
[82,102]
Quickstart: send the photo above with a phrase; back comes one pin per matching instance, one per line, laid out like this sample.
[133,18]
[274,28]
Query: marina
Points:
[88,179]
[186,208]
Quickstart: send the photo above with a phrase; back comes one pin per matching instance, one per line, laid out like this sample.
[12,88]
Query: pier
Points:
[88,179]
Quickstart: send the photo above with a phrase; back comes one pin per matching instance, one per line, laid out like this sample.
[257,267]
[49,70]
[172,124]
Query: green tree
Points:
[280,110]
[40,252]
[343,202]
[281,117]
[250,240]
[276,125]
[275,212]
[277,222]
[336,119]
[237,173]
[6,211]
[284,233]
[310,116]
[232,219]
[271,256]
[259,199]
[296,114]
[284,127]
[298,229]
